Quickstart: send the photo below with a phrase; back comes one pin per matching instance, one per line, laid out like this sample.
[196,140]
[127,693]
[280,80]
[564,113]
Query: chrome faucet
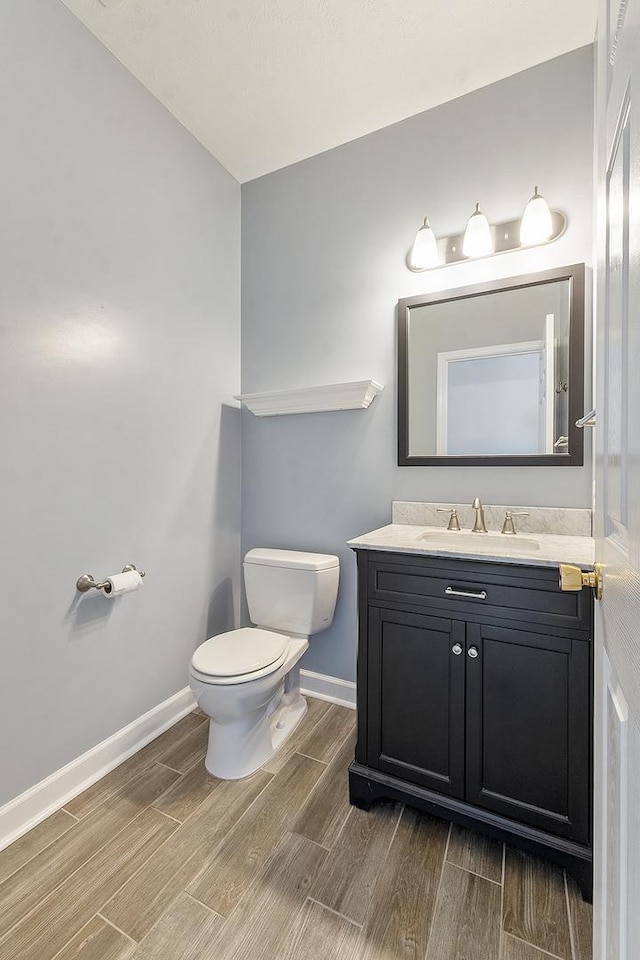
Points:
[479,526]
[454,523]
[507,526]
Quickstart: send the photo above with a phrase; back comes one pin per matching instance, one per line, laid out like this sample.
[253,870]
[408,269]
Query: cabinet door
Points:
[528,727]
[416,698]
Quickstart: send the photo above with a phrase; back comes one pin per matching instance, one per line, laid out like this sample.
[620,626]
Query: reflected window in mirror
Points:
[493,374]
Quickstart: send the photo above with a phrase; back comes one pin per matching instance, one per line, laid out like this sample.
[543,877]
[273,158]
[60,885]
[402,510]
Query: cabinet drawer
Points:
[458,587]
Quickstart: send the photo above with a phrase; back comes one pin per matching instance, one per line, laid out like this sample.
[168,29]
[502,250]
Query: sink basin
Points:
[494,542]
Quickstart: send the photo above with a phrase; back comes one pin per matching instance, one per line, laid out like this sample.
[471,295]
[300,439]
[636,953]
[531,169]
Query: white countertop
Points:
[496,547]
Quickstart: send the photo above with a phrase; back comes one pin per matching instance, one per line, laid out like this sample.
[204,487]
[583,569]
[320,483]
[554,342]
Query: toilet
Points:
[247,681]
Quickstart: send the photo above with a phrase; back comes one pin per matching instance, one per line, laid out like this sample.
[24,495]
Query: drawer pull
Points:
[474,594]
[457,649]
[473,652]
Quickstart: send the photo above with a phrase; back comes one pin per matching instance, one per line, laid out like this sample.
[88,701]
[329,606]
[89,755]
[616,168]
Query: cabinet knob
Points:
[473,652]
[457,649]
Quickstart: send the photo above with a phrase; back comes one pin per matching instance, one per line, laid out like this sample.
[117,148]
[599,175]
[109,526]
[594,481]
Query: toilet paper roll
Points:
[122,583]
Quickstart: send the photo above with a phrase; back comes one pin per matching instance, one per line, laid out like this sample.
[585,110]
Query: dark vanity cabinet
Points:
[474,699]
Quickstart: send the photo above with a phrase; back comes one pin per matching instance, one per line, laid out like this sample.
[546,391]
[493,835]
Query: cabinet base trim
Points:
[366,786]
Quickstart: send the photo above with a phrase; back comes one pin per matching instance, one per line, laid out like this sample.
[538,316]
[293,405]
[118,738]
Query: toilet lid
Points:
[238,652]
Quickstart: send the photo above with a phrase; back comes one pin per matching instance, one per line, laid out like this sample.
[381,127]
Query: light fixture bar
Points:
[506,238]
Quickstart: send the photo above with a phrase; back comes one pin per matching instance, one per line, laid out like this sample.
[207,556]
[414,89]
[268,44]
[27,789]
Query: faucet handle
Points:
[507,526]
[454,523]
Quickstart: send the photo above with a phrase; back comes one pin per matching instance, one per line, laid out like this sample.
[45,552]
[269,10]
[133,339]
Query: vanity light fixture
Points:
[478,241]
[538,225]
[424,252]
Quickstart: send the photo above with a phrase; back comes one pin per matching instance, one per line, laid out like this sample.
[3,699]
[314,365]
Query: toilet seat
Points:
[239,656]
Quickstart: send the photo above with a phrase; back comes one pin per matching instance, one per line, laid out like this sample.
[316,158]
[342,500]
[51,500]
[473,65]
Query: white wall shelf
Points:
[357,394]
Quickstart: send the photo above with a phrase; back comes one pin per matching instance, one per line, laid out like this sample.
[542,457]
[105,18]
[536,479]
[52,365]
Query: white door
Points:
[617,724]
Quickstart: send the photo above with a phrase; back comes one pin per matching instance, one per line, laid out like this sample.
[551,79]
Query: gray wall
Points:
[323,266]
[119,318]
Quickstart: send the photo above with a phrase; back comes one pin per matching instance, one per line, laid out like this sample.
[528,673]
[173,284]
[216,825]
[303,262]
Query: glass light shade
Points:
[536,225]
[478,241]
[424,252]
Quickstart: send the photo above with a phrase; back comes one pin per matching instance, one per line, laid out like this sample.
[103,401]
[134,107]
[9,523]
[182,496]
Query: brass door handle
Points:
[572,579]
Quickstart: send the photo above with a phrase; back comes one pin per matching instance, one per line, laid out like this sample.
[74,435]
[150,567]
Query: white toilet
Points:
[247,681]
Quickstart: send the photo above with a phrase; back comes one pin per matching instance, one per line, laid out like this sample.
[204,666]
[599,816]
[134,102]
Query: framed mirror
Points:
[493,374]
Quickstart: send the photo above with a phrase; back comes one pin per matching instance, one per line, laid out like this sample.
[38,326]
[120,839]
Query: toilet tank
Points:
[291,592]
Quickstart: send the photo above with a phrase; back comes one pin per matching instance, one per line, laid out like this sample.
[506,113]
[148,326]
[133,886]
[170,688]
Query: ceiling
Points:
[264,83]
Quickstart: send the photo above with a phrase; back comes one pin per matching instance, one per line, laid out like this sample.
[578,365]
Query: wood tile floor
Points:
[159,861]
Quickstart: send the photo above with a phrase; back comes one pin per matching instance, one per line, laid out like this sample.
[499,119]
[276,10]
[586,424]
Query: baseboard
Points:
[38,802]
[333,689]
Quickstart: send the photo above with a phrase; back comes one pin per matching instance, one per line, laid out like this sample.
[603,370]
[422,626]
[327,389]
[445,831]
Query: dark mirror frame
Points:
[575,458]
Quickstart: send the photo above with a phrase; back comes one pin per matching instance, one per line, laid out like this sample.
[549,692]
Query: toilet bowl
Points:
[247,681]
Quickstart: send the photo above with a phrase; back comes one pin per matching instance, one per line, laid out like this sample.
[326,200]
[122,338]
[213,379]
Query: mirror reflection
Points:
[488,375]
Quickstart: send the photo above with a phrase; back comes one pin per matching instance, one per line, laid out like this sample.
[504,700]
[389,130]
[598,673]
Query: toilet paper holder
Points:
[87,582]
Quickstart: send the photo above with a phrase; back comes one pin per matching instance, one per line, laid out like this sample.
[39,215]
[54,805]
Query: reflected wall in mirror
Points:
[493,374]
